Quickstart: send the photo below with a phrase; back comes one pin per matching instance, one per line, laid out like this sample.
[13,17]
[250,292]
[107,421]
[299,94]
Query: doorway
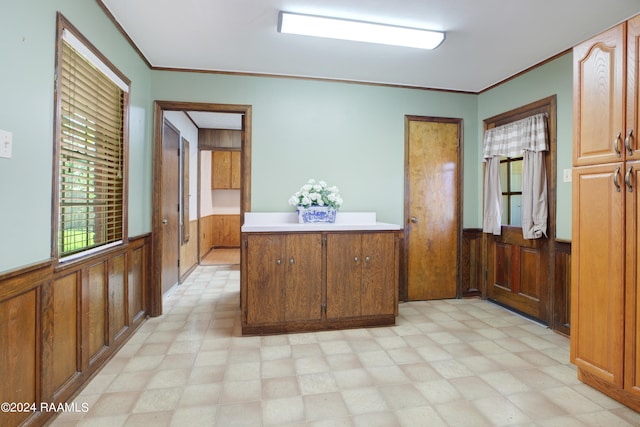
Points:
[433,207]
[162,173]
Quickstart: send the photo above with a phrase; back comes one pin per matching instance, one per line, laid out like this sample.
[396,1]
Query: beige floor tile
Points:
[445,363]
[325,406]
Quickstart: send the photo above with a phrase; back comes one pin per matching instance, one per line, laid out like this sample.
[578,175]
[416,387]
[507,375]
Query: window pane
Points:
[505,211]
[516,176]
[503,177]
[516,210]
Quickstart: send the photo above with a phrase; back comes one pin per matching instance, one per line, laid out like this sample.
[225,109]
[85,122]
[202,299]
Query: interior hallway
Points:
[445,363]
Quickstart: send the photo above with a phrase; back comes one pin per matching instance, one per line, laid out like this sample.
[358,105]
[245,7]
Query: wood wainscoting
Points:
[562,288]
[473,278]
[471,260]
[63,323]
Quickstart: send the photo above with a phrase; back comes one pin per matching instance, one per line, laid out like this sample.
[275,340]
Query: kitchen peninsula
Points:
[309,277]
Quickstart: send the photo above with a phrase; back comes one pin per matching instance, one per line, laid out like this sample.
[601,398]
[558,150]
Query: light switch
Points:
[5,144]
[567,175]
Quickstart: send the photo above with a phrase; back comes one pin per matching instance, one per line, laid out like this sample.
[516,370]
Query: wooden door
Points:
[632,291]
[170,206]
[265,268]
[597,272]
[236,157]
[378,274]
[633,89]
[598,98]
[344,275]
[303,277]
[220,169]
[518,272]
[432,207]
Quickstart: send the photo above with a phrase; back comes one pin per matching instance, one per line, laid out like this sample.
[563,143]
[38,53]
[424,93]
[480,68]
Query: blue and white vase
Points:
[314,214]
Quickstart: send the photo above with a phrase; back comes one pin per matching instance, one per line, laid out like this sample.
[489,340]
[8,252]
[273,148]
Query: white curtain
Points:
[526,137]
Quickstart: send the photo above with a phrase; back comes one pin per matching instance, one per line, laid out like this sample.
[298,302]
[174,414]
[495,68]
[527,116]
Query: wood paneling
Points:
[471,263]
[562,291]
[189,251]
[209,139]
[226,230]
[65,332]
[117,297]
[61,325]
[206,234]
[19,362]
[97,309]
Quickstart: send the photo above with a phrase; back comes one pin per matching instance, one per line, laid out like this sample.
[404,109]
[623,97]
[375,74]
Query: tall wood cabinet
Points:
[604,308]
[304,281]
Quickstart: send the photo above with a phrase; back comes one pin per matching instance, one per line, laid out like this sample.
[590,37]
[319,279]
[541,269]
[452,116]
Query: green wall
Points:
[350,135]
[553,78]
[27,43]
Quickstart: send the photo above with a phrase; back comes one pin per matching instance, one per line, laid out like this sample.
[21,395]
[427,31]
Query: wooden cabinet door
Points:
[632,295]
[303,279]
[379,275]
[220,170]
[344,275]
[598,109]
[633,89]
[597,276]
[265,269]
[235,170]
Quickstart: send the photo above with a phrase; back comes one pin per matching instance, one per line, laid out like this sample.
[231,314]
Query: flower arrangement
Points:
[317,194]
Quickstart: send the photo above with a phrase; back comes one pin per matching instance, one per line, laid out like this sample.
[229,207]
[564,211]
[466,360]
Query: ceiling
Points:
[486,41]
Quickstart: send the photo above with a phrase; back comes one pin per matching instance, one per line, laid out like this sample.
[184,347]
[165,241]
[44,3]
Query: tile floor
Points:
[445,363]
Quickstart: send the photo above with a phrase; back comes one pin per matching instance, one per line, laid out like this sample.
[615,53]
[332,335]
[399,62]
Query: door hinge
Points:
[324,240]
[324,308]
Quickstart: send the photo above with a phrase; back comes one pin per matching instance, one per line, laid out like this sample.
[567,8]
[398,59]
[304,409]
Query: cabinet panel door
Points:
[220,170]
[235,170]
[265,275]
[632,296]
[303,281]
[344,275]
[597,288]
[378,274]
[633,87]
[598,108]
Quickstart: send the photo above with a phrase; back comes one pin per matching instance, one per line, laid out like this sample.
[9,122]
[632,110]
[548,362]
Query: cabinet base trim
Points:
[279,328]
[626,398]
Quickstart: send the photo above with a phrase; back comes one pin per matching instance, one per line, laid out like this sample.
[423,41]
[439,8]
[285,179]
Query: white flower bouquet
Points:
[317,194]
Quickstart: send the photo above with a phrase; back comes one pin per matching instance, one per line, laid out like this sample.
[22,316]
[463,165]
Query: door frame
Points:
[403,293]
[154,296]
[546,105]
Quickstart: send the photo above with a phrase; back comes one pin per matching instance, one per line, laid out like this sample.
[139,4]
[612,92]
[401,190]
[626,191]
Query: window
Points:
[91,147]
[511,184]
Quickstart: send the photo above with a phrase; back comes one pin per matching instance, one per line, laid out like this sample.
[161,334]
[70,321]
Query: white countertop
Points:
[255,222]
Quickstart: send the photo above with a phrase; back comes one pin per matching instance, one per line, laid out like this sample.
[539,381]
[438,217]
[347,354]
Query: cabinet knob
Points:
[367,259]
[414,219]
[278,261]
[355,259]
[291,261]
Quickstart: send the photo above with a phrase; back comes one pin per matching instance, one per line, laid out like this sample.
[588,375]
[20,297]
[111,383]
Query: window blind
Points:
[91,155]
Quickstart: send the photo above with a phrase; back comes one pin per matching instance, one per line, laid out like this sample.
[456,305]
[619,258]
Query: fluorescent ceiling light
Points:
[334,28]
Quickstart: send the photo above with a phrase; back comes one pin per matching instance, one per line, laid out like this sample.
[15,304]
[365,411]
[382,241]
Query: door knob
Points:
[164,221]
[414,219]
